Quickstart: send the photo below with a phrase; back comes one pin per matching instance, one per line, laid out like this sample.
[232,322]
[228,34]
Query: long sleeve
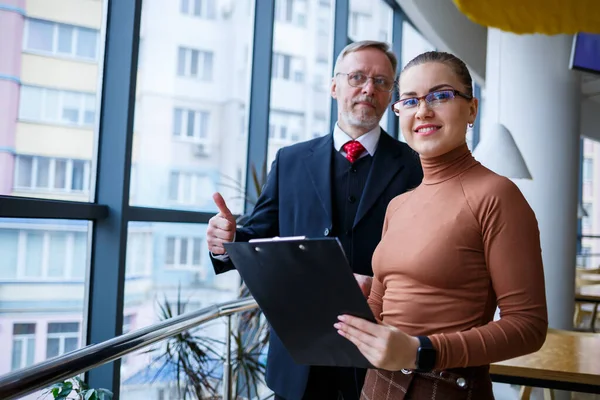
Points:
[513,257]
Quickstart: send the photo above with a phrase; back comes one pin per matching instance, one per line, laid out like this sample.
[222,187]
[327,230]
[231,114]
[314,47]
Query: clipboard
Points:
[302,285]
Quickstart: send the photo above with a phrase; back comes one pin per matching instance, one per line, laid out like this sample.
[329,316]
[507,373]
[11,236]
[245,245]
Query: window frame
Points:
[201,126]
[55,41]
[62,337]
[191,243]
[46,230]
[24,339]
[82,109]
[204,63]
[51,188]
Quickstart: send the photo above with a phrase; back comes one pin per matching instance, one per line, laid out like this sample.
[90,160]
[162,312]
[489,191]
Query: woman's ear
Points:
[473,109]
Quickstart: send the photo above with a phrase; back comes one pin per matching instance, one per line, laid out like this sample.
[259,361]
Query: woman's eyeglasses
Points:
[433,99]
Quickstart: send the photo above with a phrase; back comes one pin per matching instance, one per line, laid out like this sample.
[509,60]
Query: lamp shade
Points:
[534,16]
[499,152]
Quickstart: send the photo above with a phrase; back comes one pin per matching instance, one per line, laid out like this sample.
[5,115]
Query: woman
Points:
[461,244]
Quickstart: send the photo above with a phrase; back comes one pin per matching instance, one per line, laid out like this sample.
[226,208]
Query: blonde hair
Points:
[366,44]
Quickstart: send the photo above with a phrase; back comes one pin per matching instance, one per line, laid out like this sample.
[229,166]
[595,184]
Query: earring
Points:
[471,124]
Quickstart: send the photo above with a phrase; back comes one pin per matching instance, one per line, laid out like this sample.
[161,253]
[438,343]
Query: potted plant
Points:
[76,388]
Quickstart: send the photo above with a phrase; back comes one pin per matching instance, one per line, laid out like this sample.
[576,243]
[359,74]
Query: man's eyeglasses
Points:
[358,79]
[433,99]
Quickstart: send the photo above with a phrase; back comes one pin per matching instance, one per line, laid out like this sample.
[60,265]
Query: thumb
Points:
[220,202]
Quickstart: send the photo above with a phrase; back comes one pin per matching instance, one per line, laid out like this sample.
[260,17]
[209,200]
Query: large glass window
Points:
[50,120]
[301,74]
[590,250]
[43,266]
[178,277]
[190,136]
[371,20]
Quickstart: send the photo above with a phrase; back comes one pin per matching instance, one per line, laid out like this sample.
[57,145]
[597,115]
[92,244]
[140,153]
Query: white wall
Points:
[440,22]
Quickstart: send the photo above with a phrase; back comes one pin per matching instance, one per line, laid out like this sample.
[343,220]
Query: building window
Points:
[281,66]
[585,259]
[190,188]
[139,254]
[44,255]
[63,337]
[587,221]
[284,10]
[190,124]
[61,39]
[195,64]
[588,169]
[199,8]
[357,23]
[184,252]
[291,11]
[23,349]
[51,174]
[57,106]
[288,68]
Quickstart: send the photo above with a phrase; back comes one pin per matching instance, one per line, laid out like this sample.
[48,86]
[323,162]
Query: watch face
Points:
[425,359]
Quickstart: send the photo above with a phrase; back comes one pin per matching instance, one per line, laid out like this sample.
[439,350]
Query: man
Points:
[338,185]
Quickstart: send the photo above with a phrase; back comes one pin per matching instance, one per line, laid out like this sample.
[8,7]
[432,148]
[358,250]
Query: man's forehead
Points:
[368,63]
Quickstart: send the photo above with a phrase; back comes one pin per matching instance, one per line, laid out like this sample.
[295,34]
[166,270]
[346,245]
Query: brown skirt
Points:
[471,383]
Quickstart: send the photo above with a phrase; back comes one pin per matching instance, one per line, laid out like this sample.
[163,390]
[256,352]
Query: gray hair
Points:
[366,44]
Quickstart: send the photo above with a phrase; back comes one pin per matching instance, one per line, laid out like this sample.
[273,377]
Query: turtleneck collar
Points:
[441,168]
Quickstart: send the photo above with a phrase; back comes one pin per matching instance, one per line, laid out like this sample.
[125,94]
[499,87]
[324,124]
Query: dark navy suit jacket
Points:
[297,201]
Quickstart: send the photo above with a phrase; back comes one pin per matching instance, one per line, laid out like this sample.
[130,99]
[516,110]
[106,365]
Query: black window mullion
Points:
[260,94]
[397,24]
[107,274]
[340,40]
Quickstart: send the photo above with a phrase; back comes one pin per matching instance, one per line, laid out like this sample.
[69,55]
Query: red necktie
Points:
[353,150]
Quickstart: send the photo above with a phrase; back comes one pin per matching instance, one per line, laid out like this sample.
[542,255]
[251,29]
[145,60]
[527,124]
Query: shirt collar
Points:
[369,140]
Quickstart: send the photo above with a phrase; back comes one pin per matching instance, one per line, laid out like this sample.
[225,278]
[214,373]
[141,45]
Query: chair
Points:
[585,309]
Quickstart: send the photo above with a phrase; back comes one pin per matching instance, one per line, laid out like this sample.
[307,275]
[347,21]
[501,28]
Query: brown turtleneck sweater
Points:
[461,243]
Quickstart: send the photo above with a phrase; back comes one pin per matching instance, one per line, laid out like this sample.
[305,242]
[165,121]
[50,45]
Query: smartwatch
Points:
[426,355]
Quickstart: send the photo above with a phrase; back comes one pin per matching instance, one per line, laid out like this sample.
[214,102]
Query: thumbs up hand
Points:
[221,227]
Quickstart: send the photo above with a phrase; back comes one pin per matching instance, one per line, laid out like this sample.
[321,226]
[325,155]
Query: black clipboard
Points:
[302,285]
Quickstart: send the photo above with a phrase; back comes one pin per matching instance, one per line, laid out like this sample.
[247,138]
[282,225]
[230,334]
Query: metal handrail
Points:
[44,374]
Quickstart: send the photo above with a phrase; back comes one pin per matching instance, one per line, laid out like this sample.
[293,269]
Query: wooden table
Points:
[591,278]
[588,294]
[567,361]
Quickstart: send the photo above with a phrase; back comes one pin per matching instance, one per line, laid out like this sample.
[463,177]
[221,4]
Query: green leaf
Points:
[81,383]
[90,394]
[104,394]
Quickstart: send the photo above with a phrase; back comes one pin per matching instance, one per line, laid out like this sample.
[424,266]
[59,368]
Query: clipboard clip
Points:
[277,239]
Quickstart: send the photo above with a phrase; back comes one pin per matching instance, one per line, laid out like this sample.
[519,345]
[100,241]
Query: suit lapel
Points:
[318,164]
[386,164]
